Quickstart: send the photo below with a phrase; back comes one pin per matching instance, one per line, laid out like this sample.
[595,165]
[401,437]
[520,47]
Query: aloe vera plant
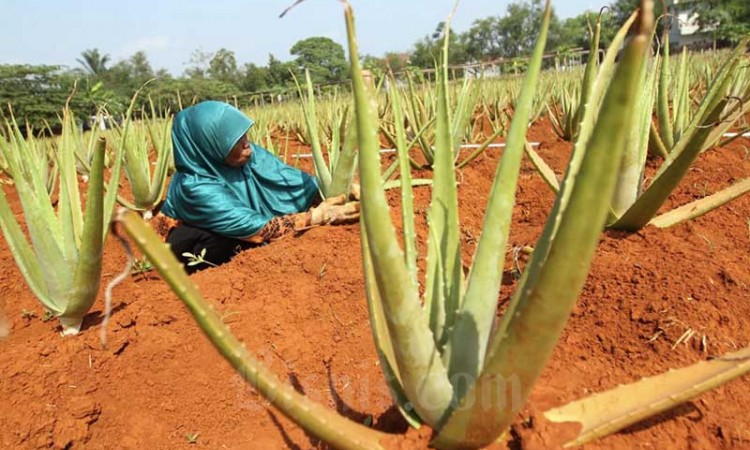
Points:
[680,137]
[62,261]
[334,177]
[447,363]
[566,115]
[136,144]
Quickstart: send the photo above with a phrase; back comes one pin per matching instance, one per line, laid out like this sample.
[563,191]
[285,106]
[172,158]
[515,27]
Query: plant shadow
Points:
[686,409]
[95,318]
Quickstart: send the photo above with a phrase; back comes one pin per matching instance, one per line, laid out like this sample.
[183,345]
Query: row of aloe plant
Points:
[678,135]
[449,365]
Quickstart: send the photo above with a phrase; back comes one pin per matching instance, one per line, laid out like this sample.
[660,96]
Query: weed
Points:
[48,315]
[192,438]
[28,315]
[322,270]
[141,266]
[194,260]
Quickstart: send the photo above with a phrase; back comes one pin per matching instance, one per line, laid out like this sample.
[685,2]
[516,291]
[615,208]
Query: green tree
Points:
[279,73]
[427,50]
[511,35]
[575,32]
[727,20]
[197,65]
[36,94]
[622,9]
[254,78]
[323,57]
[93,62]
[223,66]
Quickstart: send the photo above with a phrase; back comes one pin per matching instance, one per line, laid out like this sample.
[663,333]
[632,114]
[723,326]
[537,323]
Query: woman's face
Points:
[240,153]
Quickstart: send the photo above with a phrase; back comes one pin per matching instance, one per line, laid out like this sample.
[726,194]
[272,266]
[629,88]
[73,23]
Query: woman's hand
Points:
[334,211]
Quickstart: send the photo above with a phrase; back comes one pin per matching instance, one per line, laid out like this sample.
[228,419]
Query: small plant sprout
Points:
[322,270]
[27,315]
[141,266]
[192,438]
[194,260]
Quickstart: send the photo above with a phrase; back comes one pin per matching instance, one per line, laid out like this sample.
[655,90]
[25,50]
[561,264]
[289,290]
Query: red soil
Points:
[299,305]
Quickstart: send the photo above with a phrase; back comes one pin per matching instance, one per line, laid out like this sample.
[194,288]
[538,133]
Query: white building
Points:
[685,31]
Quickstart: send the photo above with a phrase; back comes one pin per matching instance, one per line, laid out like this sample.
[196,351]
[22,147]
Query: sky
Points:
[169,31]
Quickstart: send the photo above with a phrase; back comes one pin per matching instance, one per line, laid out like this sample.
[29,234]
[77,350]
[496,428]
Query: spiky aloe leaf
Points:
[407,196]
[666,130]
[630,175]
[468,343]
[346,161]
[311,120]
[382,338]
[702,206]
[112,186]
[523,342]
[693,141]
[424,378]
[548,175]
[314,418]
[589,76]
[608,412]
[45,231]
[444,270]
[88,270]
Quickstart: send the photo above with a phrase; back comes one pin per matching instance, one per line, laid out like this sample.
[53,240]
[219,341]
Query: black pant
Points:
[185,239]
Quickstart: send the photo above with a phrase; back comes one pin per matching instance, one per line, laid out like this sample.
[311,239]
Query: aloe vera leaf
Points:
[682,97]
[467,100]
[382,338]
[702,206]
[586,127]
[45,230]
[630,175]
[24,255]
[311,120]
[610,411]
[422,373]
[523,343]
[137,165]
[415,118]
[482,147]
[665,77]
[69,216]
[314,418]
[407,196]
[160,177]
[548,175]
[444,245]
[685,152]
[88,270]
[656,146]
[112,186]
[589,75]
[346,164]
[474,322]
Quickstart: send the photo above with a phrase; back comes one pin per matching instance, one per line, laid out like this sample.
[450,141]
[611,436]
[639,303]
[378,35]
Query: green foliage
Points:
[724,19]
[427,50]
[93,62]
[36,93]
[323,57]
[223,66]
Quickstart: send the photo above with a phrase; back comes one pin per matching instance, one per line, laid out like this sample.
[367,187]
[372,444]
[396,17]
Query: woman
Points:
[228,194]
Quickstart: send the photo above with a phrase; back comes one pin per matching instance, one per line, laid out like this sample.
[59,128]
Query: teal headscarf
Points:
[235,202]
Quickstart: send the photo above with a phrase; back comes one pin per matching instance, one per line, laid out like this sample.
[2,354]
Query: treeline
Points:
[37,93]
